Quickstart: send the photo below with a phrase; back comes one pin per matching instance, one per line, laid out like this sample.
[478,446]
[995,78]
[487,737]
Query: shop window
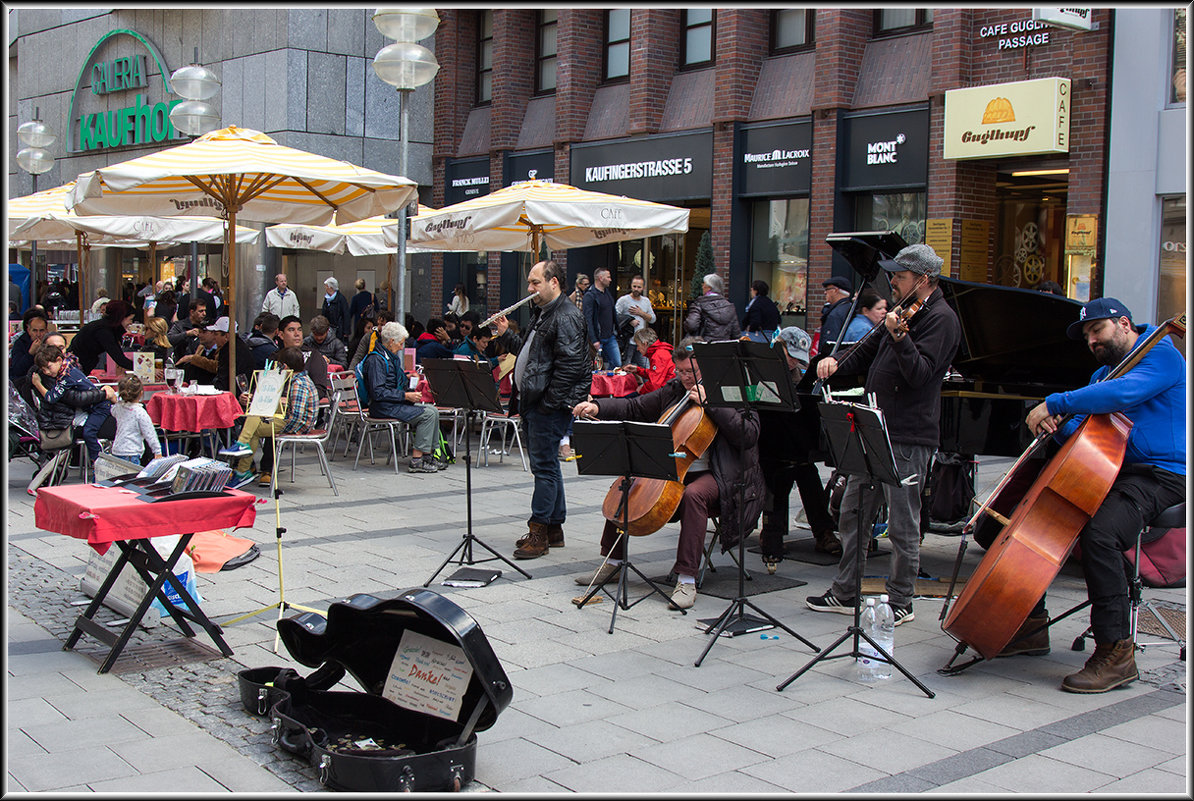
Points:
[791,29]
[545,57]
[902,212]
[1177,91]
[617,44]
[901,20]
[1171,289]
[779,253]
[485,58]
[698,37]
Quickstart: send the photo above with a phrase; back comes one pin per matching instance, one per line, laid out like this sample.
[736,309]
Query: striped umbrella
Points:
[362,238]
[238,170]
[522,216]
[44,218]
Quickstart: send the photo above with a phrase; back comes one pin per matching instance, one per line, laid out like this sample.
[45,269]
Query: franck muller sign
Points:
[885,150]
[775,159]
[659,168]
[465,179]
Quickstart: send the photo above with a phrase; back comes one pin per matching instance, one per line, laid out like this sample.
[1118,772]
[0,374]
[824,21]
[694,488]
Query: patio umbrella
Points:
[43,217]
[366,237]
[238,170]
[522,216]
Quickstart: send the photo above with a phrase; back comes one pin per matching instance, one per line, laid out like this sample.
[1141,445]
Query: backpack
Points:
[362,386]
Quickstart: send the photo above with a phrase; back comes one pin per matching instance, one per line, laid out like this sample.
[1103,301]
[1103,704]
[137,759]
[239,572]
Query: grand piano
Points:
[1014,351]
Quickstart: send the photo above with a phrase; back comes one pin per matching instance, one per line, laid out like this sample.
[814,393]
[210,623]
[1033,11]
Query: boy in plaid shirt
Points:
[301,412]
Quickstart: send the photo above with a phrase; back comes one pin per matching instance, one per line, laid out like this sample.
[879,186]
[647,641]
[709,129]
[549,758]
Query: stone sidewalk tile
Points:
[1022,716]
[17,744]
[738,704]
[1178,765]
[554,679]
[813,771]
[669,721]
[1147,782]
[639,691]
[573,707]
[969,786]
[107,703]
[776,735]
[514,723]
[1099,752]
[875,747]
[512,760]
[593,740]
[731,782]
[715,674]
[622,665]
[848,716]
[622,773]
[533,785]
[157,721]
[1038,774]
[36,685]
[601,642]
[84,764]
[699,755]
[174,780]
[953,730]
[31,712]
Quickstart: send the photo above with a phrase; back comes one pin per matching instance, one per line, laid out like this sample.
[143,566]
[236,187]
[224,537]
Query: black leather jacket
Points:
[557,374]
[712,317]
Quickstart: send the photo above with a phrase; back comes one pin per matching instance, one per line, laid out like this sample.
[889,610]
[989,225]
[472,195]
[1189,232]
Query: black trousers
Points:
[778,478]
[1139,494]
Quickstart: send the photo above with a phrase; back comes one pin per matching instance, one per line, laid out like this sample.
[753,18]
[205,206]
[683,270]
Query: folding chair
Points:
[317,438]
[503,421]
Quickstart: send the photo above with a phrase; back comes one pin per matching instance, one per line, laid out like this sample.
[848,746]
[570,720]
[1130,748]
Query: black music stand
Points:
[630,450]
[743,375]
[858,439]
[466,385]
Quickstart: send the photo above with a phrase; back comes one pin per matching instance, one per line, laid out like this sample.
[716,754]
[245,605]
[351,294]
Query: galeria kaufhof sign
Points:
[130,78]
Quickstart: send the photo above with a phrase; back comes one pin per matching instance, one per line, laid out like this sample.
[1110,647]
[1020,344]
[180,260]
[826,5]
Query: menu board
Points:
[939,235]
[973,258]
[143,366]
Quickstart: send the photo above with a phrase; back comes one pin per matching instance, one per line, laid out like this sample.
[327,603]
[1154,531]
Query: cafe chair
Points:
[493,421]
[318,438]
[1169,518]
[399,434]
[349,416]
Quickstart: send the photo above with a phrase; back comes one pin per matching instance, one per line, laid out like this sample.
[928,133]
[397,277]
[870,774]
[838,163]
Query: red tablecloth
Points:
[336,368]
[103,515]
[617,385]
[193,412]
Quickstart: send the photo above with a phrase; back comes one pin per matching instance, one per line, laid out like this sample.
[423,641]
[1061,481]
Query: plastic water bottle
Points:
[868,661]
[884,634]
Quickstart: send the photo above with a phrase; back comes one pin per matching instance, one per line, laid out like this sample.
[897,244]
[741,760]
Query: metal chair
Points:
[318,438]
[491,421]
[344,387]
[399,433]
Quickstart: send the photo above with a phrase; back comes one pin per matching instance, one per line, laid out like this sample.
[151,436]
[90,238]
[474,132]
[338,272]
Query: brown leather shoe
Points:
[555,537]
[536,544]
[1027,643]
[1111,665]
[827,542]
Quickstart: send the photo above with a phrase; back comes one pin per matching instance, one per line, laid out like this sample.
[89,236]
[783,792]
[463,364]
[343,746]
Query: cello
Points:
[1044,526]
[652,501]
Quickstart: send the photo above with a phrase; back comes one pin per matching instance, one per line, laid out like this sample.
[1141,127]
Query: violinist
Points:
[1153,477]
[713,483]
[905,360]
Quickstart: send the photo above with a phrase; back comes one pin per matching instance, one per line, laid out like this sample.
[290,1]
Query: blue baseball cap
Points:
[1098,309]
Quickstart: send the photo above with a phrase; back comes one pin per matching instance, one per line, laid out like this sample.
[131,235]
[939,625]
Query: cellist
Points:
[1153,477]
[905,363]
[711,483]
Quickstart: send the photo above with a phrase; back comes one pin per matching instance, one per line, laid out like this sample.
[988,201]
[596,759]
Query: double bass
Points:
[652,501]
[1036,539]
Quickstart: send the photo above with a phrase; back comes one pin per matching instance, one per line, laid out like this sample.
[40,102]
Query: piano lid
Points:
[1017,336]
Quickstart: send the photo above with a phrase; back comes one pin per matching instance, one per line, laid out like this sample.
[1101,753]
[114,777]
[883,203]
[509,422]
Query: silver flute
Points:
[508,309]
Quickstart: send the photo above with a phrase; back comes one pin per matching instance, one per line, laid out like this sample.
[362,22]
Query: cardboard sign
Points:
[267,396]
[429,676]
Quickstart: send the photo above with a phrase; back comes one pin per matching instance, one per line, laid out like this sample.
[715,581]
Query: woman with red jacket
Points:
[659,355]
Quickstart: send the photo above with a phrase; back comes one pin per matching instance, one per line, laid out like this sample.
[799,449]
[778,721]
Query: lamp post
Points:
[35,158]
[405,66]
[196,83]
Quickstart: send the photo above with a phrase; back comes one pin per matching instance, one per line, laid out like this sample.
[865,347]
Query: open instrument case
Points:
[431,683]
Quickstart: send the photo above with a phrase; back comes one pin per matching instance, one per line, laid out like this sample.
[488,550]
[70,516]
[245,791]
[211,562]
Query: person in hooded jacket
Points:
[711,316]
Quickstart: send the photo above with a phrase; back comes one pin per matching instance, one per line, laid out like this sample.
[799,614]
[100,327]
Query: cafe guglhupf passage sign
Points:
[122,96]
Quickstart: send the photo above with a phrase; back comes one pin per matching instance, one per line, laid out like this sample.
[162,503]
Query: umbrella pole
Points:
[232,298]
[82,282]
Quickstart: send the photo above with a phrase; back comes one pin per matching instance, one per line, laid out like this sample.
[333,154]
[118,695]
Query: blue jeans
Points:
[97,415]
[542,432]
[610,353]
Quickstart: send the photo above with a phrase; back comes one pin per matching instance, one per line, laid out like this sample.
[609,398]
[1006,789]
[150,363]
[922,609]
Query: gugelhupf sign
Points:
[1009,119]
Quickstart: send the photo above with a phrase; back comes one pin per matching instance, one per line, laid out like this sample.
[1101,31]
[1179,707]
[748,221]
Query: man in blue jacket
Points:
[601,320]
[1153,477]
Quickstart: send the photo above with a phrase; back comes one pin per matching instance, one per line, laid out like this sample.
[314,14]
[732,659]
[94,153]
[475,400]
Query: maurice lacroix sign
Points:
[775,159]
[141,121]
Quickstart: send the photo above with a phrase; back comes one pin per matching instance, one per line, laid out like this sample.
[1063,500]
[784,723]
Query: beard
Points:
[1110,353]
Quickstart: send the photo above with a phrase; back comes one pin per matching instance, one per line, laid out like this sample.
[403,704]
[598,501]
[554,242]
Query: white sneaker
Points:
[598,576]
[684,596]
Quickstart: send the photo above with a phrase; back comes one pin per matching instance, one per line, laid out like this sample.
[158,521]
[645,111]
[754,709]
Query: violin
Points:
[651,502]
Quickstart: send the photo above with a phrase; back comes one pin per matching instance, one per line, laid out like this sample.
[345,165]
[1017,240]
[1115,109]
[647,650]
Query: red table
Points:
[618,385]
[193,412]
[106,515]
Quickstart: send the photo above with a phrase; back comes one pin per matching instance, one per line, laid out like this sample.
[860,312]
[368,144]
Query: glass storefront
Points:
[1171,289]
[902,212]
[779,254]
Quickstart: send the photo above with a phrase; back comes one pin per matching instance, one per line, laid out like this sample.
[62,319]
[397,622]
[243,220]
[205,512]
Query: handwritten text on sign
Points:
[428,676]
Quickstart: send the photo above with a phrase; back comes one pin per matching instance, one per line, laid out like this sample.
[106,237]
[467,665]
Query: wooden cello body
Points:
[1039,535]
[653,501]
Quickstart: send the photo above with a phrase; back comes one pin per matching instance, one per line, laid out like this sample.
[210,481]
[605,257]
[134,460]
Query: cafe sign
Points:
[128,78]
[1024,118]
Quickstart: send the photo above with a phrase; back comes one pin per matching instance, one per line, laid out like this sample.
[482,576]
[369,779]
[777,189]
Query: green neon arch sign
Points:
[142,123]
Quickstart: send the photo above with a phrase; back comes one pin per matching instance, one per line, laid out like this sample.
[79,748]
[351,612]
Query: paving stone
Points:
[668,721]
[594,740]
[813,771]
[776,735]
[743,703]
[45,772]
[1146,782]
[175,780]
[26,712]
[875,748]
[621,773]
[699,755]
[515,759]
[576,706]
[1107,754]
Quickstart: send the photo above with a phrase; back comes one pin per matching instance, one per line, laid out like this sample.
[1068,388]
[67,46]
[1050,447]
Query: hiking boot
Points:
[598,576]
[536,542]
[1024,641]
[422,464]
[1112,665]
[827,542]
[555,536]
[684,595]
[829,603]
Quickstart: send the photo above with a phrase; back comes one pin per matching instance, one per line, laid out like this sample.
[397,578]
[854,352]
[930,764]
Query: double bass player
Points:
[1152,394]
[711,483]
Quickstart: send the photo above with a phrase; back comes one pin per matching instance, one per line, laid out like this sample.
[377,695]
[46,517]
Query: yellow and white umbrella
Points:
[240,171]
[44,218]
[362,238]
[521,216]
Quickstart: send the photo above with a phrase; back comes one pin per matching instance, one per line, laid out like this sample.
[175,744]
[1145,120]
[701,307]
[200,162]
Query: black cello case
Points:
[364,742]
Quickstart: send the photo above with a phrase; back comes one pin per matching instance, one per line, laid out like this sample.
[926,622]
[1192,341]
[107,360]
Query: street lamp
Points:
[196,83]
[35,158]
[405,66]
